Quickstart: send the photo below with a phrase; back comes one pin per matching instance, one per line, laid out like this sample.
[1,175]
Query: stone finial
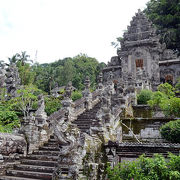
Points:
[87,82]
[68,90]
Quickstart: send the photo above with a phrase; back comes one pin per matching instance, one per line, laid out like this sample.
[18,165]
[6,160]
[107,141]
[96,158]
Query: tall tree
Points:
[13,59]
[165,14]
[23,58]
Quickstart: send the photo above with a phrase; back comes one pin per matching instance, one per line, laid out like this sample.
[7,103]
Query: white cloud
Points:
[61,28]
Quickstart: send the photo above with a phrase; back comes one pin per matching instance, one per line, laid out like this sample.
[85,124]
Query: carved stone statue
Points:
[41,105]
[68,90]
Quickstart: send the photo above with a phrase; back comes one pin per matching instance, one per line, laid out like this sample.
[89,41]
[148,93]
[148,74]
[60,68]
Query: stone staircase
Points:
[88,119]
[39,165]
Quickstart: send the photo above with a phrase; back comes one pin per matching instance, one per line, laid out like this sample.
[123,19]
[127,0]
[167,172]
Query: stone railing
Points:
[80,104]
[56,115]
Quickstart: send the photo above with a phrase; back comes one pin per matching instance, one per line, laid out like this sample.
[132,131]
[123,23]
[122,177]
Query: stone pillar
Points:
[67,103]
[87,94]
[100,81]
[12,80]
[30,129]
[41,121]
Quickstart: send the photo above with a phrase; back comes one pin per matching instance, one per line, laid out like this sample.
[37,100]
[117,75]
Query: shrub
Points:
[76,95]
[8,118]
[171,131]
[177,87]
[52,105]
[147,169]
[165,99]
[167,89]
[171,107]
[144,96]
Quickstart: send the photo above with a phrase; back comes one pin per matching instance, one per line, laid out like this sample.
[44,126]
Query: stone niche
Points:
[140,58]
[169,71]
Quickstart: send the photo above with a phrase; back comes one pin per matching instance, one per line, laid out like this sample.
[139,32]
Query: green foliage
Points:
[25,70]
[165,14]
[25,73]
[165,99]
[144,96]
[171,131]
[167,89]
[27,97]
[8,118]
[156,168]
[171,107]
[76,95]
[69,69]
[177,87]
[156,99]
[52,105]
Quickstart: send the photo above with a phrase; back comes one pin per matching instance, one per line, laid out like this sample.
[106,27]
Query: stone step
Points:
[49,153]
[15,178]
[51,143]
[39,162]
[42,157]
[84,116]
[24,167]
[82,128]
[49,148]
[84,125]
[29,174]
[85,119]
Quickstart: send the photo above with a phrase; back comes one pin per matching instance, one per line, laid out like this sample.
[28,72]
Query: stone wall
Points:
[11,143]
[130,151]
[145,129]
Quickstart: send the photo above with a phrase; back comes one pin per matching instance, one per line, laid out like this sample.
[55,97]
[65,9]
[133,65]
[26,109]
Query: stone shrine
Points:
[143,57]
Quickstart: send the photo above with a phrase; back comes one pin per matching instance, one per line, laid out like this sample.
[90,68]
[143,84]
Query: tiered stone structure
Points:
[142,60]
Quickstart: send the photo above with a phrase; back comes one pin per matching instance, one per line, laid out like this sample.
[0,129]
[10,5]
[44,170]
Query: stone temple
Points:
[77,141]
[142,57]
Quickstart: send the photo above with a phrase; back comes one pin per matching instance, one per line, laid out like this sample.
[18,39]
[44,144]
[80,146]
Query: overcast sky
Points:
[56,29]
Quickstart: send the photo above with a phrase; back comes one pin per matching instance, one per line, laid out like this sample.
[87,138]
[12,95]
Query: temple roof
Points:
[140,31]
